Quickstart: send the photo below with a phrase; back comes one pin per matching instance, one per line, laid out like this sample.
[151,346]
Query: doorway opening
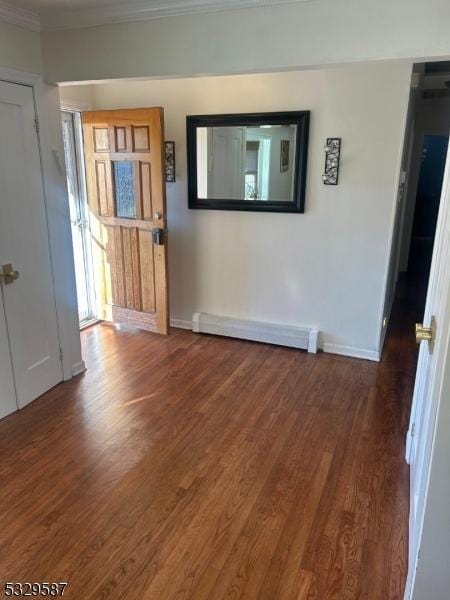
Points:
[79,216]
[423,165]
[431,173]
[118,215]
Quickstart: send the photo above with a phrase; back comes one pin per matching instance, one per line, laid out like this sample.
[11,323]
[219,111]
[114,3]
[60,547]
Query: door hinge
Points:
[36,124]
[61,354]
[413,430]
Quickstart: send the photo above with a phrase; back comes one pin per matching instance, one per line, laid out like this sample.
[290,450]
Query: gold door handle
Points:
[8,275]
[423,334]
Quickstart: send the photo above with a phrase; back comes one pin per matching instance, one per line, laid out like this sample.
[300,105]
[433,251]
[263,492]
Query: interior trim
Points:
[152,9]
[19,16]
[78,368]
[75,107]
[181,324]
[352,352]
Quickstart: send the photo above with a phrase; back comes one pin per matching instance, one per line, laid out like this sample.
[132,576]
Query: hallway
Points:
[202,467]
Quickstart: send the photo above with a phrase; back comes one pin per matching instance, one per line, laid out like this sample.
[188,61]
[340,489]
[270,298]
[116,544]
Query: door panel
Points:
[126,189]
[8,402]
[29,302]
[226,170]
[429,375]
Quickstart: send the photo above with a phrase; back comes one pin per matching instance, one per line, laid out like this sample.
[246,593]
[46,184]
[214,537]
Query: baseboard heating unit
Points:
[282,335]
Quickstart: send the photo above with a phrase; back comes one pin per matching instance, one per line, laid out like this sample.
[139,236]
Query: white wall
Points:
[326,267]
[77,97]
[276,38]
[20,48]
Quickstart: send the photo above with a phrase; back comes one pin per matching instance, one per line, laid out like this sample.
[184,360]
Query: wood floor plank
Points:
[197,467]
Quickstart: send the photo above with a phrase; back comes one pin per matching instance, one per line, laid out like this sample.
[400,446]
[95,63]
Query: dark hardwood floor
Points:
[207,468]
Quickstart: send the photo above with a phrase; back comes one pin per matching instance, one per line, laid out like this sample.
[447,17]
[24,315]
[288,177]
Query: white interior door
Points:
[429,376]
[432,576]
[29,301]
[227,166]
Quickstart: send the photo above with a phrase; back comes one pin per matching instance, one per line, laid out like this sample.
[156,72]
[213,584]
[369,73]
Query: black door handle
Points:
[158,236]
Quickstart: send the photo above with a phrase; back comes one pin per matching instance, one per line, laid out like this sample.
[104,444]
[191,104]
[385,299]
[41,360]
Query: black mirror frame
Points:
[299,118]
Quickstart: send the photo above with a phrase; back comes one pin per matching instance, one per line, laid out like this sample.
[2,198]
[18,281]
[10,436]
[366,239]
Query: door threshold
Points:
[86,324]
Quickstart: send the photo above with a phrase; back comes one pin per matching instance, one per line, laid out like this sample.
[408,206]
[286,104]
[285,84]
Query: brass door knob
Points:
[423,334]
[8,275]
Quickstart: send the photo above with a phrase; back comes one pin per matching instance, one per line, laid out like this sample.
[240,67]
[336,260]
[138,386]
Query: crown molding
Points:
[152,9]
[19,16]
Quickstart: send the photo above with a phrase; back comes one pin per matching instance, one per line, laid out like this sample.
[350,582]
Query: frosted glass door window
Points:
[124,189]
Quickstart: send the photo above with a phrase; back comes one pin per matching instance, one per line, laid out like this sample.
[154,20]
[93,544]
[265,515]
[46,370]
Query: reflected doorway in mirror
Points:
[284,156]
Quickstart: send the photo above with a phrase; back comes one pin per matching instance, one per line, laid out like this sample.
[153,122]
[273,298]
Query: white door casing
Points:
[29,302]
[429,376]
[79,215]
[8,403]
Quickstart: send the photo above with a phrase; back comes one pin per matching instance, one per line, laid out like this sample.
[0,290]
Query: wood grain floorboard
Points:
[203,468]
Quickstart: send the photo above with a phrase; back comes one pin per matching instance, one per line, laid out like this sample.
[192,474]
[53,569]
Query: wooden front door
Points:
[124,153]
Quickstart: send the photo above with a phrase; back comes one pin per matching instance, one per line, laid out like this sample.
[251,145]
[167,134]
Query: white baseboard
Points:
[181,324]
[79,367]
[352,352]
[305,338]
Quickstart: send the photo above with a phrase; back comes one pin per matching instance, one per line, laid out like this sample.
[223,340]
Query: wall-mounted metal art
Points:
[332,155]
[170,161]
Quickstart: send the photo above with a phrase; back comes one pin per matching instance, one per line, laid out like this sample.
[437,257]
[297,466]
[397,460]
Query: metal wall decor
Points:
[332,155]
[170,161]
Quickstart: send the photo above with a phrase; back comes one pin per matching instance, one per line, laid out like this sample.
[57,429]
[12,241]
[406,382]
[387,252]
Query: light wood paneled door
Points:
[124,154]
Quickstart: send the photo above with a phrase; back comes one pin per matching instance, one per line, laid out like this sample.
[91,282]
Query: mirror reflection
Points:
[252,163]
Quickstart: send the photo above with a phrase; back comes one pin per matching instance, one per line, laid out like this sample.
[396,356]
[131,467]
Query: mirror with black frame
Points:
[248,161]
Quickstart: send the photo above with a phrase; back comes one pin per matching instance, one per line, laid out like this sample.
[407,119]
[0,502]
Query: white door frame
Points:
[415,163]
[58,222]
[78,160]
